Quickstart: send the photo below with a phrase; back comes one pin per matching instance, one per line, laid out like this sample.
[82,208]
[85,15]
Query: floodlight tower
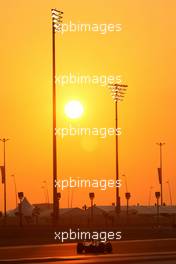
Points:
[118,93]
[4,140]
[56,27]
[160,170]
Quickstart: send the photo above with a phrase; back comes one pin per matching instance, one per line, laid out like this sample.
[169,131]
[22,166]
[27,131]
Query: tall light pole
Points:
[157,194]
[127,196]
[117,92]
[56,26]
[91,196]
[58,201]
[160,170]
[21,197]
[4,179]
[15,186]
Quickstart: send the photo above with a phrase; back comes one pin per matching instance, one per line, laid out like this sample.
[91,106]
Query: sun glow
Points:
[74,109]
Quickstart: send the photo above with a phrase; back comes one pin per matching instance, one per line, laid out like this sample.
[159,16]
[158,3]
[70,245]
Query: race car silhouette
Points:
[94,247]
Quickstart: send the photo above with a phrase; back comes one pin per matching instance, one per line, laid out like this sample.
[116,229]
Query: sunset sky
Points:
[142,53]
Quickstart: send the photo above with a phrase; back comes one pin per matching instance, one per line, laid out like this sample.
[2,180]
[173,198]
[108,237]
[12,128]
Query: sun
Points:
[74,109]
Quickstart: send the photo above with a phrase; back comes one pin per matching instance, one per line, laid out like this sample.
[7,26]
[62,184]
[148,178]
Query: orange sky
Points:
[143,53]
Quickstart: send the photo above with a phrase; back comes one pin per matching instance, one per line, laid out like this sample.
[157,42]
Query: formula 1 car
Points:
[94,247]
